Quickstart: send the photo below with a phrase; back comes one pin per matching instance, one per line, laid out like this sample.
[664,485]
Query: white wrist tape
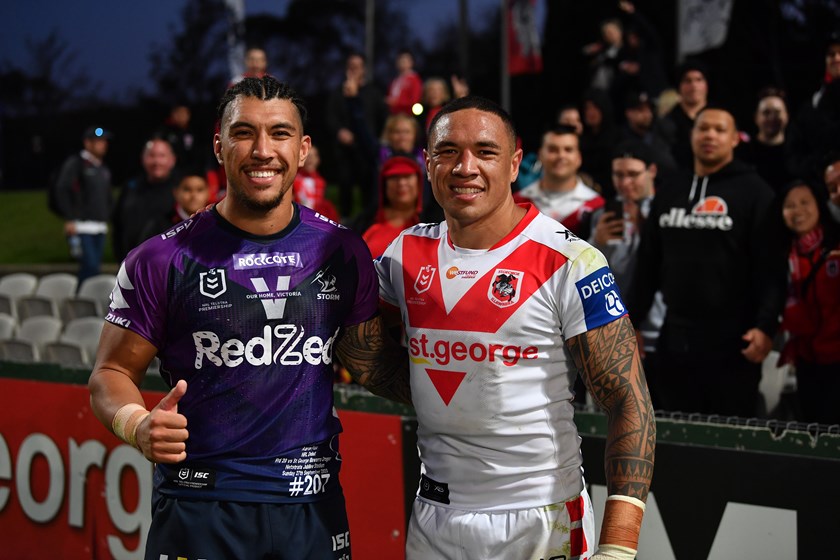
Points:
[613,552]
[126,420]
[635,501]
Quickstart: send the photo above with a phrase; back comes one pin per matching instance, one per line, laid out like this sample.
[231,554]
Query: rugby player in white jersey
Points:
[502,306]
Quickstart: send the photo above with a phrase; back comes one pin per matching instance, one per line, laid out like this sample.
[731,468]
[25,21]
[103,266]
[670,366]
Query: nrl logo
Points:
[424,278]
[212,283]
[504,288]
[184,473]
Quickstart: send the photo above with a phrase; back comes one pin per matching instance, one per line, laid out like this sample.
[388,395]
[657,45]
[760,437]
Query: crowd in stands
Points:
[726,246]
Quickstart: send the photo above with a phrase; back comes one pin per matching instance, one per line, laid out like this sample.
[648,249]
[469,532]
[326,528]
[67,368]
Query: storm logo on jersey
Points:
[504,290]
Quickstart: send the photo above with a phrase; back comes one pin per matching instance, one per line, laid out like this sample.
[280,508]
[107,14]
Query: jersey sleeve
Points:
[138,300]
[589,297]
[383,265]
[366,301]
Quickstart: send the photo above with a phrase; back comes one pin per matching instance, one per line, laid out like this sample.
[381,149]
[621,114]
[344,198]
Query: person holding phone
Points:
[616,233]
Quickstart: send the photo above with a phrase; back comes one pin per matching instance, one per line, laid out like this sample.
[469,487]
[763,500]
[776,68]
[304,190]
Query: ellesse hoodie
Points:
[704,246]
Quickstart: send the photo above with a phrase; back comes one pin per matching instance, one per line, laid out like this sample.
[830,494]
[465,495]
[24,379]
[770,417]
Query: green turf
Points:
[32,234]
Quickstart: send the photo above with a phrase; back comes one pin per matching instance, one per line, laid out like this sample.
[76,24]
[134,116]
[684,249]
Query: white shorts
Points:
[563,531]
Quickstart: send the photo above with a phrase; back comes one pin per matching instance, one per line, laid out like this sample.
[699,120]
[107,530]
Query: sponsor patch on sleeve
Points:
[600,298]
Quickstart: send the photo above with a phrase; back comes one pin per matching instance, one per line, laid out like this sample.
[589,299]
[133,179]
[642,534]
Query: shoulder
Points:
[530,191]
[556,237]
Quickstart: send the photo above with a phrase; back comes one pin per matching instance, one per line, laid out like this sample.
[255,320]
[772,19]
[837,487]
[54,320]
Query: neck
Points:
[774,140]
[691,110]
[257,222]
[558,184]
[487,231]
[397,216]
[702,169]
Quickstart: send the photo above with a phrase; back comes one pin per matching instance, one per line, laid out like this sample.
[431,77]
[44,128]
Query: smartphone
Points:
[616,207]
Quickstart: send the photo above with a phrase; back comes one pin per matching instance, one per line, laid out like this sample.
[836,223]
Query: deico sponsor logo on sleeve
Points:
[600,298]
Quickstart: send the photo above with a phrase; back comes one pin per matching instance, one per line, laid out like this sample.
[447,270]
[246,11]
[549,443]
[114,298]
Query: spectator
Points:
[609,62]
[560,194]
[616,233]
[569,115]
[644,46]
[354,116]
[677,124]
[436,93]
[767,150]
[310,188]
[176,130]
[145,198]
[705,247]
[191,194]
[831,177]
[400,136]
[256,65]
[407,88]
[815,132]
[599,137]
[812,312]
[400,184]
[641,126]
[83,199]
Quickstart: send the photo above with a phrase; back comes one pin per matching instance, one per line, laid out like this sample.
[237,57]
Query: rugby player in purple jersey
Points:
[245,305]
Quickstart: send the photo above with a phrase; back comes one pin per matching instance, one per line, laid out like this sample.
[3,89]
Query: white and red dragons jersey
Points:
[491,377]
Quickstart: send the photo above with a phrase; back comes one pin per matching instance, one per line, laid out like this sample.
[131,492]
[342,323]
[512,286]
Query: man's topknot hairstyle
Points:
[480,104]
[264,88]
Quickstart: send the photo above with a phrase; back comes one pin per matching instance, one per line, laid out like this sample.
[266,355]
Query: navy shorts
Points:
[198,530]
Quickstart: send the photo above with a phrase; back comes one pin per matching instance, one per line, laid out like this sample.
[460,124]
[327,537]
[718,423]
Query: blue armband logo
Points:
[600,298]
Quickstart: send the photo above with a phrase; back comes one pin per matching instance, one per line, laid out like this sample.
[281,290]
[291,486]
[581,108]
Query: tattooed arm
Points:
[375,360]
[608,358]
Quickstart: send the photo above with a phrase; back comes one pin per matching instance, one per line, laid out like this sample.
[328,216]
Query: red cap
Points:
[400,165]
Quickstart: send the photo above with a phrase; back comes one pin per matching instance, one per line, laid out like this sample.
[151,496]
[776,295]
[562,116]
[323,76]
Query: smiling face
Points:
[158,160]
[800,210]
[261,145]
[560,156]
[471,163]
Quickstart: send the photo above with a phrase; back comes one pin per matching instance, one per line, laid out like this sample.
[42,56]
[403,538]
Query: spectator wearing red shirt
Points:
[407,88]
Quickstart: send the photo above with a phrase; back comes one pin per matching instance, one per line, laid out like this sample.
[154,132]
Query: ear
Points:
[514,165]
[305,145]
[217,147]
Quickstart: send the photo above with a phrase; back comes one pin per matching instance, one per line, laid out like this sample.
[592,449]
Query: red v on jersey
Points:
[446,382]
[475,311]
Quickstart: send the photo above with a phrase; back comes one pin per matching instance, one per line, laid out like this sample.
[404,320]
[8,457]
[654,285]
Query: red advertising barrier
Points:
[71,490]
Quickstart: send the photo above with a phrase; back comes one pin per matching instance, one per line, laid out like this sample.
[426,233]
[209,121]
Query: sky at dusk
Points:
[112,39]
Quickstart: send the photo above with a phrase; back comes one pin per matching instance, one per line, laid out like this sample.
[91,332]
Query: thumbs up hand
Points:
[161,435]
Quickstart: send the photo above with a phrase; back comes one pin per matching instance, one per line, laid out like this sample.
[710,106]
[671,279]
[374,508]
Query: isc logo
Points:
[341,540]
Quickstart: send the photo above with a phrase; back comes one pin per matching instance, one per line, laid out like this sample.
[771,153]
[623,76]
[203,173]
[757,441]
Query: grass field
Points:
[32,234]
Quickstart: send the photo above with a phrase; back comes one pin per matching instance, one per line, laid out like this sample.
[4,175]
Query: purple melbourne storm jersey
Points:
[250,323]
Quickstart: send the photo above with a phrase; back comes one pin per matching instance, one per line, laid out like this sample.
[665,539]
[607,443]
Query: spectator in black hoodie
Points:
[704,246]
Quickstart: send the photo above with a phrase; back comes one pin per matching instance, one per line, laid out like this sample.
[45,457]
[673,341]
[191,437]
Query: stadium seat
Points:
[67,354]
[18,351]
[33,306]
[40,330]
[76,307]
[18,284]
[58,286]
[15,286]
[98,288]
[85,332]
[7,305]
[8,326]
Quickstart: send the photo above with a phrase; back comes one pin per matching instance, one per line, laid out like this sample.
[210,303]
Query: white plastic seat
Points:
[18,351]
[33,306]
[67,354]
[98,288]
[58,286]
[85,332]
[18,284]
[76,307]
[40,330]
[8,326]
